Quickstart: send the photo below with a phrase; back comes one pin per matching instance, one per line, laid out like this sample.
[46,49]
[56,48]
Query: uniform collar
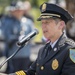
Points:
[53,44]
[61,41]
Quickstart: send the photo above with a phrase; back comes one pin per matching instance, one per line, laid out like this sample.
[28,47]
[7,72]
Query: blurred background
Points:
[17,19]
[35,12]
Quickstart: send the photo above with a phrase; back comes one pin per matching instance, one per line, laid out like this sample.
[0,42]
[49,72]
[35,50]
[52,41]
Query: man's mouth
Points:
[44,31]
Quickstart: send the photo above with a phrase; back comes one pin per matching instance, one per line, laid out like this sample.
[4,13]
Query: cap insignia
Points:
[43,7]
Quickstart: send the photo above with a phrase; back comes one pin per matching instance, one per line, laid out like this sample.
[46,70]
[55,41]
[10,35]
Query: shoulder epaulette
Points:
[70,41]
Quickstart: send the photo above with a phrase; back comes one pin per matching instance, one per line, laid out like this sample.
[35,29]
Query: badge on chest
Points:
[55,64]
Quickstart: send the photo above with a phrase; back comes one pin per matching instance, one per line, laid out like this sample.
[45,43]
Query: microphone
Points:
[27,38]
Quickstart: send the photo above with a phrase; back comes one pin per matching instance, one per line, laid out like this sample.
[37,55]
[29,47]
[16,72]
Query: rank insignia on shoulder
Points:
[55,64]
[72,55]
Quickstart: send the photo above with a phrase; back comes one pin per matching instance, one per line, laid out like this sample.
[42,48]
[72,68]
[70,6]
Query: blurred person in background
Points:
[17,26]
[61,3]
[3,46]
[27,11]
[70,29]
[20,26]
[11,23]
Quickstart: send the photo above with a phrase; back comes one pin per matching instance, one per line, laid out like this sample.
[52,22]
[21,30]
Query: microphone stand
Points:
[20,47]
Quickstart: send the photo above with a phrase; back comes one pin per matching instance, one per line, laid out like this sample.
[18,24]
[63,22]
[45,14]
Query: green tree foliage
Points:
[37,3]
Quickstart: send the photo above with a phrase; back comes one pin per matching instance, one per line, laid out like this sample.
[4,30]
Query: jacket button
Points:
[42,67]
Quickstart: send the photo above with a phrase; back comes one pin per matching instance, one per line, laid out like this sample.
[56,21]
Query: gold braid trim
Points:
[50,14]
[20,73]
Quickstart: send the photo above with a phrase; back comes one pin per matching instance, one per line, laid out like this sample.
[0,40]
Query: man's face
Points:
[50,28]
[17,12]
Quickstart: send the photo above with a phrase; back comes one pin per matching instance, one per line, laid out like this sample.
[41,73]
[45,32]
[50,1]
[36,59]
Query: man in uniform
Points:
[15,27]
[57,57]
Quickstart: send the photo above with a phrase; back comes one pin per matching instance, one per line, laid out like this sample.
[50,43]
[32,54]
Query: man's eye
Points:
[47,22]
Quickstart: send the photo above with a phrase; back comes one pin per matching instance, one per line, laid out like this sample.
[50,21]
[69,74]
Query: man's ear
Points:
[61,24]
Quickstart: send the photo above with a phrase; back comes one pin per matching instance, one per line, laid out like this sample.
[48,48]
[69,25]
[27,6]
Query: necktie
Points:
[49,48]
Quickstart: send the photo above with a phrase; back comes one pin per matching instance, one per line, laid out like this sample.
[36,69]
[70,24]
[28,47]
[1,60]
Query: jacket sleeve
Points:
[69,64]
[12,74]
[32,69]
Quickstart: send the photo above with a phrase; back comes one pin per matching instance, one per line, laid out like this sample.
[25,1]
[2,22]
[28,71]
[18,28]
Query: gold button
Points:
[42,67]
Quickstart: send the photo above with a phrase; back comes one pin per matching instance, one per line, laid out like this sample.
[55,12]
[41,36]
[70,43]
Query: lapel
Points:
[60,43]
